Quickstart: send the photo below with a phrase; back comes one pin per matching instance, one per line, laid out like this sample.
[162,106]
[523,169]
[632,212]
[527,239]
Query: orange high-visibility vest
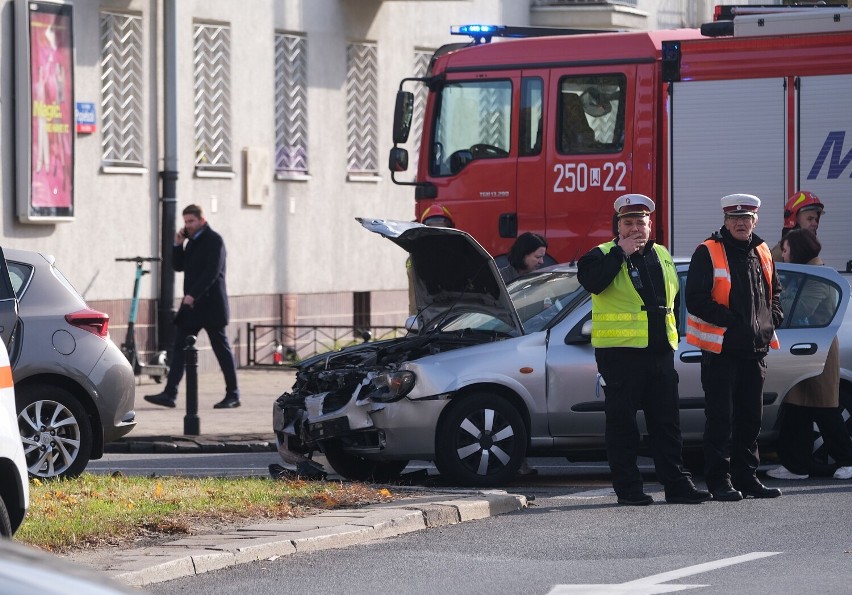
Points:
[707,336]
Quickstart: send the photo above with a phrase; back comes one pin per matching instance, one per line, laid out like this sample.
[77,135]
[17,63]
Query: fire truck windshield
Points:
[474,122]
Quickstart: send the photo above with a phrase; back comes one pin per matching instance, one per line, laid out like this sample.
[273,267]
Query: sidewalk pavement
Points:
[197,554]
[249,429]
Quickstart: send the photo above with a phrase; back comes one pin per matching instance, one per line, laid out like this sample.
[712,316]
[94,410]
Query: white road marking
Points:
[650,585]
[599,493]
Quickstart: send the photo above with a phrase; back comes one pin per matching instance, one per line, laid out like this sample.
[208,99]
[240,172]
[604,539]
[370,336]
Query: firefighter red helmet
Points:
[437,216]
[800,201]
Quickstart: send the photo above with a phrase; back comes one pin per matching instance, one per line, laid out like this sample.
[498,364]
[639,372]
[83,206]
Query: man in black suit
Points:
[204,305]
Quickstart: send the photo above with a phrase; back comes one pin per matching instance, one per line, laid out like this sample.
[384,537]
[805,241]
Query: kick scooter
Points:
[158,367]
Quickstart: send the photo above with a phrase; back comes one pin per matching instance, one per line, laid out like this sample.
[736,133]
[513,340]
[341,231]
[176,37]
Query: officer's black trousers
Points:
[733,405]
[641,378]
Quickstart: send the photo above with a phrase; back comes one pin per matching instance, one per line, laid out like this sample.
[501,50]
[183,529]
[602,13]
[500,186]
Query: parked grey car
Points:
[74,388]
[495,374]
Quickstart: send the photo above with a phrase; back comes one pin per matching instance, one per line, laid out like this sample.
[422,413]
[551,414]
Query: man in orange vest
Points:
[734,301]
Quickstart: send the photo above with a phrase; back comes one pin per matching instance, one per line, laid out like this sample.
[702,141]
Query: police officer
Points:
[734,301]
[633,284]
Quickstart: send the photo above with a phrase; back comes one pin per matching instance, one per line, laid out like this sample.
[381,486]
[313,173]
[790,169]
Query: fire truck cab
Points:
[543,133]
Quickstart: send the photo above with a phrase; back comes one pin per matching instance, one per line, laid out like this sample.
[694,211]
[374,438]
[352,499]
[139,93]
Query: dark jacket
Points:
[202,261]
[596,270]
[751,317]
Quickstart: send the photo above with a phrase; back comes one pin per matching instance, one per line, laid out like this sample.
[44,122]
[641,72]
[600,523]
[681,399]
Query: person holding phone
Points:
[199,252]
[634,283]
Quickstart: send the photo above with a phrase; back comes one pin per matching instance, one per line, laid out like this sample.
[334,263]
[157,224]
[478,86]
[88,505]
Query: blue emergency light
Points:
[479,33]
[483,33]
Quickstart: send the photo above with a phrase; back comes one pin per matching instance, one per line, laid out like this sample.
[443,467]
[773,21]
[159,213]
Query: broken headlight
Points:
[390,386]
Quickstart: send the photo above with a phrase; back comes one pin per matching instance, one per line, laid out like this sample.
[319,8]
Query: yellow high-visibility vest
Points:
[618,317]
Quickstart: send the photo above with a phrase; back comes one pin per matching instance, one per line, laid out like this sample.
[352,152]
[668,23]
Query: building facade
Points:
[283,116]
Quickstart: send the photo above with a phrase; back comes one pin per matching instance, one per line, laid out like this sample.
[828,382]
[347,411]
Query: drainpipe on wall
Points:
[169,175]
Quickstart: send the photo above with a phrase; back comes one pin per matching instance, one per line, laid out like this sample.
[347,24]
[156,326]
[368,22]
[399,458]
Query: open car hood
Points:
[452,273]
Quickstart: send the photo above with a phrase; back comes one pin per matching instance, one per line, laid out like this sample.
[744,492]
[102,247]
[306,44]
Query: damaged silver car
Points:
[492,375]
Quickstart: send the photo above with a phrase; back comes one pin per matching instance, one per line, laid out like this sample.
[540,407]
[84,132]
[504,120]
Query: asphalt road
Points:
[577,540]
[572,539]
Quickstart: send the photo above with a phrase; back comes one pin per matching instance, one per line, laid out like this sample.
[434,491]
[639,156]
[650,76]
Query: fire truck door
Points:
[728,136]
[472,157]
[589,154]
[529,215]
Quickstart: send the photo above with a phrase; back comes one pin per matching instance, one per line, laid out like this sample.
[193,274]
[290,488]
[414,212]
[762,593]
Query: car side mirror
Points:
[412,324]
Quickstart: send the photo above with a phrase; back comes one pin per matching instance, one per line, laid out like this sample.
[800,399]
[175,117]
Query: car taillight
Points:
[90,320]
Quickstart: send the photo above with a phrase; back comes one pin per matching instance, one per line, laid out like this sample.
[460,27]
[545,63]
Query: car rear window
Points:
[20,274]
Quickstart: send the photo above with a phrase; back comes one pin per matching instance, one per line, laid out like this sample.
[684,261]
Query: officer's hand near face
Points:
[633,234]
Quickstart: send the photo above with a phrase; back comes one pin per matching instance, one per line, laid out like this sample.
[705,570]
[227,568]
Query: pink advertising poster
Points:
[51,71]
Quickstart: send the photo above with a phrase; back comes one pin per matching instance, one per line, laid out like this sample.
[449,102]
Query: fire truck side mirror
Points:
[402,114]
[398,160]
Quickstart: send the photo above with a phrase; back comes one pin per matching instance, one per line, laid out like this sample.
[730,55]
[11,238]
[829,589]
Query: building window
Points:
[121,89]
[291,106]
[362,110]
[212,90]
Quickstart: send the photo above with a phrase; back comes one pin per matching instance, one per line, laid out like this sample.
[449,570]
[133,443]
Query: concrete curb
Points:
[193,444]
[197,554]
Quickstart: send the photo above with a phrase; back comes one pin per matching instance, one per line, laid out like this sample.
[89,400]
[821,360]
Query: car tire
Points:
[358,468]
[56,432]
[5,523]
[481,441]
[823,464]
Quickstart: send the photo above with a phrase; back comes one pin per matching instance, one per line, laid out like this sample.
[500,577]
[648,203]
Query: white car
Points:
[496,374]
[14,486]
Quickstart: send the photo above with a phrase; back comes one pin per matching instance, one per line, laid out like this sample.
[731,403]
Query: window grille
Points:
[291,105]
[362,109]
[121,89]
[421,66]
[212,91]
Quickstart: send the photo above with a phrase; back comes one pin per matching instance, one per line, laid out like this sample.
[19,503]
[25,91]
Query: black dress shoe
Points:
[161,399]
[636,499]
[227,403]
[758,490]
[685,492]
[726,493]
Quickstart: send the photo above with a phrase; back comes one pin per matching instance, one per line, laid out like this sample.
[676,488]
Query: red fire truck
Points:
[543,133]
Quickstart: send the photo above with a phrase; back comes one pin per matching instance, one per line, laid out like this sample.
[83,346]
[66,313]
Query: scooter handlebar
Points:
[139,259]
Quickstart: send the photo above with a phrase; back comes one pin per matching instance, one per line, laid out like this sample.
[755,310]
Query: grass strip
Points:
[102,510]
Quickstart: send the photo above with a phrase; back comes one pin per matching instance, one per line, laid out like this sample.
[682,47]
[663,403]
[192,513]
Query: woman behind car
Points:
[817,399]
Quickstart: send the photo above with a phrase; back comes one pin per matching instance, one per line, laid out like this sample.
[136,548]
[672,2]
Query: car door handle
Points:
[691,357]
[804,349]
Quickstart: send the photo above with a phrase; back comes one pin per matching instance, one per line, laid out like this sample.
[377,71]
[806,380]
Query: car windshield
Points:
[538,298]
[541,297]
